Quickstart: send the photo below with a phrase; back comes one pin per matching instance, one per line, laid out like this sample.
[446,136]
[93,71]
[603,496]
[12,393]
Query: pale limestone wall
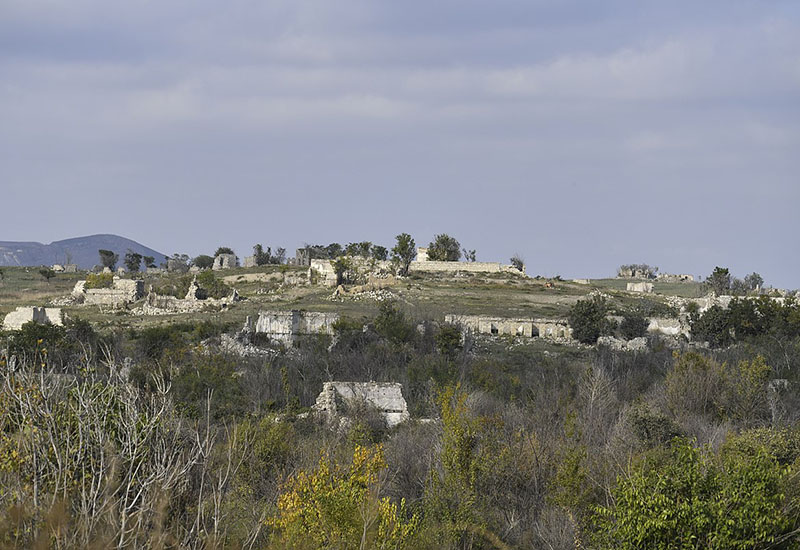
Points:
[21,315]
[387,397]
[636,344]
[249,261]
[553,329]
[364,267]
[471,267]
[224,261]
[122,291]
[325,272]
[668,327]
[640,287]
[675,277]
[422,254]
[287,326]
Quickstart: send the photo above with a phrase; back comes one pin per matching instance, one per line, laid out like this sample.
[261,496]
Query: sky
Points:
[580,135]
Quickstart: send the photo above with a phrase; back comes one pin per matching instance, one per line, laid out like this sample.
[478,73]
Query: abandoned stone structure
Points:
[364,268]
[646,288]
[122,291]
[552,329]
[635,344]
[336,397]
[177,265]
[422,263]
[665,326]
[288,326]
[196,300]
[637,271]
[68,268]
[225,261]
[249,261]
[41,315]
[675,277]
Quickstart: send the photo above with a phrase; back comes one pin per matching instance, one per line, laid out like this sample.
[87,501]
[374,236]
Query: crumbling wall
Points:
[640,287]
[288,326]
[668,326]
[250,261]
[363,268]
[224,261]
[675,277]
[387,397]
[553,329]
[122,291]
[21,315]
[471,267]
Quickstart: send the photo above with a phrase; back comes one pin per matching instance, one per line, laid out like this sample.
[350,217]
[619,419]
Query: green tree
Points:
[223,250]
[634,325]
[469,255]
[203,261]
[108,258]
[754,281]
[588,320]
[404,252]
[690,499]
[518,262]
[133,261]
[149,262]
[379,252]
[444,248]
[712,326]
[720,280]
[262,257]
[343,267]
[47,273]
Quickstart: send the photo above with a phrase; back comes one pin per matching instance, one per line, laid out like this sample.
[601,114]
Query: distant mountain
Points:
[81,250]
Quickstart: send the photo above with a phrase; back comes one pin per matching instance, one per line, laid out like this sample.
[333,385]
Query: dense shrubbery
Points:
[745,319]
[531,447]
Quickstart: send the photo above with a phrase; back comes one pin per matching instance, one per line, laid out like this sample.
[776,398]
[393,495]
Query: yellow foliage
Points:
[340,507]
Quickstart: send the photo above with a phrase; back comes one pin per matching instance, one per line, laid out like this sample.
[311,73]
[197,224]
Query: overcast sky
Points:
[579,134]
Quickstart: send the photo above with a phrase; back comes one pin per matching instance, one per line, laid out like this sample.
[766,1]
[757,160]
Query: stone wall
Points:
[675,277]
[42,315]
[288,326]
[647,288]
[471,267]
[668,327]
[122,291]
[225,261]
[387,397]
[363,267]
[250,261]
[552,329]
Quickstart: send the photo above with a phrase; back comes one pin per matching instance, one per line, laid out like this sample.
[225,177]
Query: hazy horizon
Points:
[579,136]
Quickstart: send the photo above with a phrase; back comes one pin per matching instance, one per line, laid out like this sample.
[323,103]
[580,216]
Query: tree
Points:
[754,281]
[280,256]
[108,258]
[634,325]
[720,280]
[588,320]
[203,261]
[223,250]
[444,248]
[518,262]
[379,252]
[404,252]
[361,249]
[342,267]
[262,257]
[149,262]
[47,273]
[133,260]
[713,327]
[469,255]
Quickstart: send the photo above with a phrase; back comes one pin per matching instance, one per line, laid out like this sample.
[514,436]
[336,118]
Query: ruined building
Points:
[289,326]
[225,261]
[552,329]
[122,291]
[337,397]
[41,315]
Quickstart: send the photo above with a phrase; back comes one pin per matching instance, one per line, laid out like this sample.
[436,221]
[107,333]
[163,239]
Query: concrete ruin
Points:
[646,288]
[336,397]
[225,261]
[41,315]
[552,329]
[287,327]
[122,292]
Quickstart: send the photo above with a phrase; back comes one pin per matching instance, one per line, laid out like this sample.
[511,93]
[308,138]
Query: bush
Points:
[216,288]
[203,261]
[588,320]
[99,280]
[633,325]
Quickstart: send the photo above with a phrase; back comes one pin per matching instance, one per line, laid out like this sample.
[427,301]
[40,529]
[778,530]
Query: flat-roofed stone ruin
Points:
[225,261]
[643,287]
[122,292]
[675,278]
[387,397]
[288,326]
[27,314]
[552,329]
[422,263]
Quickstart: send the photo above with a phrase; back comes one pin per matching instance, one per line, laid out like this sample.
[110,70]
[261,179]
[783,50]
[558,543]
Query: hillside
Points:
[81,250]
